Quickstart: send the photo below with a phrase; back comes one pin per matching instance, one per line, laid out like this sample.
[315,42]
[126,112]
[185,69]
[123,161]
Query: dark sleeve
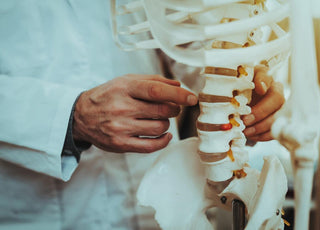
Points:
[72,147]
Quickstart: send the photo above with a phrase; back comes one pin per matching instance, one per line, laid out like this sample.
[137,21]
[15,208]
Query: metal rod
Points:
[239,219]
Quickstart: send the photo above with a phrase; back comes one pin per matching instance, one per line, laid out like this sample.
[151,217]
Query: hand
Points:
[267,98]
[130,113]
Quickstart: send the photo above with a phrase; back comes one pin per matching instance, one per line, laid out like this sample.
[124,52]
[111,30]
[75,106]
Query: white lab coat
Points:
[50,51]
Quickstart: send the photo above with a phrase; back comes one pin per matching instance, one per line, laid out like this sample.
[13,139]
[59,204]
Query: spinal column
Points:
[222,101]
[225,97]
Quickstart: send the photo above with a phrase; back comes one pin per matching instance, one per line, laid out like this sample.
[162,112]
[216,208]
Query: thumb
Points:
[262,80]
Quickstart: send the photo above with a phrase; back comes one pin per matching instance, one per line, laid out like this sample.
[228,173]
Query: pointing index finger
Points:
[157,91]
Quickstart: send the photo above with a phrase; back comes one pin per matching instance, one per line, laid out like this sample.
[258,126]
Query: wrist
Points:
[74,144]
[77,124]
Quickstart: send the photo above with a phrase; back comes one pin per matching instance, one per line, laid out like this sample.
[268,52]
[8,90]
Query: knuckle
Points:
[149,148]
[113,127]
[94,97]
[261,128]
[154,91]
[265,126]
[166,124]
[158,128]
[177,110]
[279,97]
[133,83]
[258,112]
[168,110]
[116,142]
[159,110]
[161,127]
[163,110]
[119,85]
[118,108]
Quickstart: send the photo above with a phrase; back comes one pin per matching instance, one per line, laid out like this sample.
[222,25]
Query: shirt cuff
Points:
[72,147]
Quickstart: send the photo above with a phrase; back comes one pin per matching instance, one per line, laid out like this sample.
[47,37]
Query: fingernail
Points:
[192,100]
[249,131]
[169,136]
[248,119]
[264,87]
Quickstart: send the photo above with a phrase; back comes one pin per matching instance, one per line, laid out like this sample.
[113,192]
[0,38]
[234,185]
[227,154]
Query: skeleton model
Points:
[303,144]
[228,38]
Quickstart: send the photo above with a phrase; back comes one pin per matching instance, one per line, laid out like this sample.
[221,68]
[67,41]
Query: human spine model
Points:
[222,101]
[225,96]
[227,39]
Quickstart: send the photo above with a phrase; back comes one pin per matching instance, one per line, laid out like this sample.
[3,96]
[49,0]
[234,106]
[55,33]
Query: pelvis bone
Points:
[177,188]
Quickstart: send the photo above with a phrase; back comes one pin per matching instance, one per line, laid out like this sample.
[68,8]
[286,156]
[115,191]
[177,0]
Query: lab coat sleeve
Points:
[33,123]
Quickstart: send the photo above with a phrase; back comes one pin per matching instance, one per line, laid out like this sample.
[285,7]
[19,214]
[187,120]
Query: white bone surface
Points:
[223,170]
[217,113]
[224,86]
[218,141]
[175,186]
[167,34]
[297,127]
[263,212]
[215,142]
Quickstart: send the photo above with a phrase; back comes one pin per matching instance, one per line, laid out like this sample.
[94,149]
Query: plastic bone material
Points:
[303,105]
[219,124]
[168,33]
[228,39]
[176,187]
